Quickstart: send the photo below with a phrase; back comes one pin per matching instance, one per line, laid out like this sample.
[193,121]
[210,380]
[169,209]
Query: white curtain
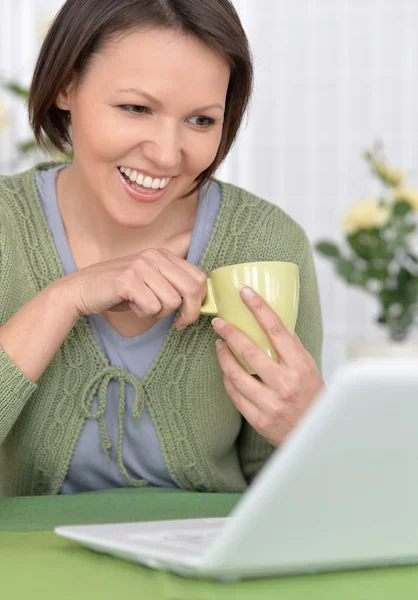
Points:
[332,76]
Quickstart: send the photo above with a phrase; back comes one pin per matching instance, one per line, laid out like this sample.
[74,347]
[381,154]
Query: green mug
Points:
[276,282]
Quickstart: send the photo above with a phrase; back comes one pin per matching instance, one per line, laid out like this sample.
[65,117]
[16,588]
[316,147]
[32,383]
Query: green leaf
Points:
[361,244]
[389,297]
[405,320]
[408,228]
[380,273]
[404,276]
[328,249]
[411,291]
[400,209]
[345,269]
[405,293]
[26,147]
[369,244]
[350,273]
[17,90]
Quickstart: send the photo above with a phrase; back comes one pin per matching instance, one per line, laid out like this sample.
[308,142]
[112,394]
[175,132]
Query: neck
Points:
[96,235]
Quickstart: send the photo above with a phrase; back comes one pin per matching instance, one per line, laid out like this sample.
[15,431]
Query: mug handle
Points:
[209,305]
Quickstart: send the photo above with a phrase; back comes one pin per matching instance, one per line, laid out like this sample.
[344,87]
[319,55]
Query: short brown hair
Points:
[81,29]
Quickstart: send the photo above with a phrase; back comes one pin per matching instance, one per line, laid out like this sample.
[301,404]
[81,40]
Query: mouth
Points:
[142,187]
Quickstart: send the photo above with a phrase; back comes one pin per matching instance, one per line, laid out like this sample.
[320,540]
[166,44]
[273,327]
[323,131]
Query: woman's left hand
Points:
[274,405]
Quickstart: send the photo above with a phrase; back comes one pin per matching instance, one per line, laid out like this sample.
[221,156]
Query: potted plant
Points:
[29,146]
[379,256]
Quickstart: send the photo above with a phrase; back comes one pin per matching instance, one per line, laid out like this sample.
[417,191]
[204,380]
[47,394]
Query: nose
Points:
[164,148]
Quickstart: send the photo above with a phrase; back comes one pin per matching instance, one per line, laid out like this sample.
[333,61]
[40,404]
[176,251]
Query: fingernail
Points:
[181,327]
[218,324]
[219,345]
[246,292]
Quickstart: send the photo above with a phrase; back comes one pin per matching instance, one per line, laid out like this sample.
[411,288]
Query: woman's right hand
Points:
[152,283]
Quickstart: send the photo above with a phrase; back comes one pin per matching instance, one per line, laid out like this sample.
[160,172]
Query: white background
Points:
[332,76]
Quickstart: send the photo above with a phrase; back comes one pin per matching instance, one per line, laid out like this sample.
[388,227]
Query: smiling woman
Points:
[200,44]
[166,139]
[109,375]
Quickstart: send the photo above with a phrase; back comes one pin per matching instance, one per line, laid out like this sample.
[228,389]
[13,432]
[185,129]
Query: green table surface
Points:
[37,564]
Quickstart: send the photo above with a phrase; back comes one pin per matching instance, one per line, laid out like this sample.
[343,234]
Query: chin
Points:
[132,221]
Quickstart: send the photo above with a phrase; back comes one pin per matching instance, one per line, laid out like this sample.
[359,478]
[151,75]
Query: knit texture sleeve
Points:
[15,387]
[15,391]
[253,448]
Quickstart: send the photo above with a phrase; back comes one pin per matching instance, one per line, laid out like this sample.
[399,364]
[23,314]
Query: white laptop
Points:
[340,493]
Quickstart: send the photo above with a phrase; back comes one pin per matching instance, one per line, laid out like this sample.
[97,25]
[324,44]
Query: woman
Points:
[102,384]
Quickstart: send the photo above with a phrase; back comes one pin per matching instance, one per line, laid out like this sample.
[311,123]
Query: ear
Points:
[63,100]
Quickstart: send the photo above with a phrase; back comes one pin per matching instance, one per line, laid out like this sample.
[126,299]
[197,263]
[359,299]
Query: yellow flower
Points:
[391,176]
[406,195]
[365,214]
[4,117]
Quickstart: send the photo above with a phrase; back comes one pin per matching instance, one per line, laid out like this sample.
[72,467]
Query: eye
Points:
[134,108]
[204,122]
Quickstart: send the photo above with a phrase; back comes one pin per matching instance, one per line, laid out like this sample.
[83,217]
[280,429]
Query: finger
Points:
[142,301]
[166,294]
[277,332]
[255,392]
[189,268]
[269,370]
[298,342]
[249,411]
[189,289]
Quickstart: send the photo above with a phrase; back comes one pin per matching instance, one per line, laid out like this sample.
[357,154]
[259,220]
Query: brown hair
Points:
[81,29]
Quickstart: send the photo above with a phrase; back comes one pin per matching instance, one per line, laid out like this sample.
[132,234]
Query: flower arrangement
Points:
[28,146]
[379,255]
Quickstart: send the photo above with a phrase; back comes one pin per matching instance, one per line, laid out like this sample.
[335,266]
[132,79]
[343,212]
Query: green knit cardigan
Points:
[206,444]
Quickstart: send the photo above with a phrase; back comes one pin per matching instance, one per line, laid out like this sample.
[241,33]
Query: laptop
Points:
[340,493]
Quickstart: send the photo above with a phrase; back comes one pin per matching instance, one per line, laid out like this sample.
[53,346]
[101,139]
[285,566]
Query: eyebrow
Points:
[158,103]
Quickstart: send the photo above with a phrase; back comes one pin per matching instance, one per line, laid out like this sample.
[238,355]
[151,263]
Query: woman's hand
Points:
[152,283]
[274,405]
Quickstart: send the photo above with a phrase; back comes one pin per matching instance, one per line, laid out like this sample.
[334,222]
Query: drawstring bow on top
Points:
[98,387]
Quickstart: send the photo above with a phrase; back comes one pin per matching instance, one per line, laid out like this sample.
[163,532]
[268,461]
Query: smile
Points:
[140,192]
[143,180]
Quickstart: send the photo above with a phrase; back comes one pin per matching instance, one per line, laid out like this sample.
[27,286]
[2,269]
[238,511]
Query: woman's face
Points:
[152,102]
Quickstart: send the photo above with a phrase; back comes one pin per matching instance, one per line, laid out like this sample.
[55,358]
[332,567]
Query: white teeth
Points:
[145,180]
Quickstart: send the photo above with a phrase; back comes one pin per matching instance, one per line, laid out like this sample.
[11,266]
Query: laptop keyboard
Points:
[195,541]
[200,540]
